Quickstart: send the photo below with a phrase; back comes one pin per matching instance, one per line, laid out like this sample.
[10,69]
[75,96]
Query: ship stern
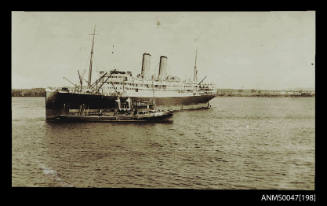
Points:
[52,107]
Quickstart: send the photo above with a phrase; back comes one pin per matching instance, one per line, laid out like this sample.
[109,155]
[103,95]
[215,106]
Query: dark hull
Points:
[62,103]
[97,118]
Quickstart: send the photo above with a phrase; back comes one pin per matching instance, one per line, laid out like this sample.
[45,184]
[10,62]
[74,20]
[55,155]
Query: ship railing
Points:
[207,92]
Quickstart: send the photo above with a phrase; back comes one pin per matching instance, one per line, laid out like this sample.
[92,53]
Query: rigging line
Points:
[70,81]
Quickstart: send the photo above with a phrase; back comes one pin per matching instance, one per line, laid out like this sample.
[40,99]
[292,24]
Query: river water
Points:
[240,143]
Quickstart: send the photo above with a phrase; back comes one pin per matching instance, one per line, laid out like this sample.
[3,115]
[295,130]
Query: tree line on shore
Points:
[265,93]
[34,92]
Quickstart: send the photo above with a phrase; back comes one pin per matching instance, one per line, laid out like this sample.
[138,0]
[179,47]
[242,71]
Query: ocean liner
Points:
[167,92]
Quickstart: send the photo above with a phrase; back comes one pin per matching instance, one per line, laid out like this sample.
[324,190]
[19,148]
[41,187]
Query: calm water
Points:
[241,143]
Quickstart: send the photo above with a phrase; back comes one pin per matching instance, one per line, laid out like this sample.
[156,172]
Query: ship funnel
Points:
[145,73]
[162,68]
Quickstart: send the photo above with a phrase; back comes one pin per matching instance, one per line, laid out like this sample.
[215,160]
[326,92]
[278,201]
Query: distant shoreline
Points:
[265,93]
[34,92]
[40,92]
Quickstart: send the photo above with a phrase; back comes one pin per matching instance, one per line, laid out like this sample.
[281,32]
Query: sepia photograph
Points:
[163,100]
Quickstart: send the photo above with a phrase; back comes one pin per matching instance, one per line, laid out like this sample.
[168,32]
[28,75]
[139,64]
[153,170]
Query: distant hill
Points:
[34,92]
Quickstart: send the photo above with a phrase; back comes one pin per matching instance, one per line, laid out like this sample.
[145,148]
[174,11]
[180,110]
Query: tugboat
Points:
[126,111]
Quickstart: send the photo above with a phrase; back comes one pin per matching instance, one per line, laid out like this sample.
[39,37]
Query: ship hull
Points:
[59,103]
[123,118]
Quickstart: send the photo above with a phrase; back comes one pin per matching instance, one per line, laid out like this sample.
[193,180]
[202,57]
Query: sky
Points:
[239,50]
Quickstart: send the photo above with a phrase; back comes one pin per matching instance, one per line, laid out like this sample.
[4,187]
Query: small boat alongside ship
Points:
[126,111]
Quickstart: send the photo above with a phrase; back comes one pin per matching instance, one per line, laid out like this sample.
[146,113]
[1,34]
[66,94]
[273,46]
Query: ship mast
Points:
[195,75]
[91,59]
